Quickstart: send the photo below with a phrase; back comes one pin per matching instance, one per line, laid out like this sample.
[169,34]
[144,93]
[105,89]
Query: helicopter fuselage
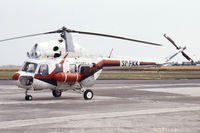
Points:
[68,73]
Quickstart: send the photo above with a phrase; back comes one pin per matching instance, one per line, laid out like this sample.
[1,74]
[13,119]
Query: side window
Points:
[72,68]
[59,68]
[44,69]
[85,70]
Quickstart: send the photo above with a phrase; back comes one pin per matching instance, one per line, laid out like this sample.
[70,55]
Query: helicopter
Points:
[57,66]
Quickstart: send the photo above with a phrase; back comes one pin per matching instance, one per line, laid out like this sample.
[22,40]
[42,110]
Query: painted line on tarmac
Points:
[191,91]
[40,121]
[55,101]
[149,86]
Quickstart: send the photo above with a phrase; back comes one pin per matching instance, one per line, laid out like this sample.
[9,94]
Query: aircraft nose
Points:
[15,76]
[26,80]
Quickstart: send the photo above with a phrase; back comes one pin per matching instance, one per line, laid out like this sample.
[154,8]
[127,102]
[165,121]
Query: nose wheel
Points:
[28,97]
[88,94]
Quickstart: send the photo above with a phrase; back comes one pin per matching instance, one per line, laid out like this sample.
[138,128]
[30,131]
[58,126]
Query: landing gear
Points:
[28,97]
[56,93]
[88,94]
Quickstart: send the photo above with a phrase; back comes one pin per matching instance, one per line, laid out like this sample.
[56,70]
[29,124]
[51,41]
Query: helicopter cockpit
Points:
[29,69]
[36,67]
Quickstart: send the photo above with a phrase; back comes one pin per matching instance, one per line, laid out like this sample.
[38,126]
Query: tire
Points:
[28,97]
[88,95]
[56,93]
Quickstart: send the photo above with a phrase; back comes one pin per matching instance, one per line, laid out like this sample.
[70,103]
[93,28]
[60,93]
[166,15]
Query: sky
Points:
[139,19]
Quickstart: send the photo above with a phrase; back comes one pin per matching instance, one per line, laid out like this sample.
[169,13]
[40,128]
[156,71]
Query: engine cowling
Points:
[67,77]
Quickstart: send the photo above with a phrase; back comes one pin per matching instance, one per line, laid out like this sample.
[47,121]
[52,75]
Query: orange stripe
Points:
[64,59]
[92,69]
[108,62]
[147,63]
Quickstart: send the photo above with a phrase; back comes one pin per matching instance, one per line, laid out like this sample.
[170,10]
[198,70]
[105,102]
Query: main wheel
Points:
[28,97]
[88,95]
[56,93]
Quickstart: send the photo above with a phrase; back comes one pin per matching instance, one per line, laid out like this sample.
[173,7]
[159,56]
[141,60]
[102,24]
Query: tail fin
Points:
[181,49]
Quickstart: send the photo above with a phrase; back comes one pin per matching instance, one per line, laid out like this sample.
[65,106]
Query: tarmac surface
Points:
[128,106]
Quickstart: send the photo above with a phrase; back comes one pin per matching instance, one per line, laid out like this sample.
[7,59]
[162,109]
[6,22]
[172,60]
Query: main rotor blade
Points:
[61,30]
[31,35]
[112,36]
[169,39]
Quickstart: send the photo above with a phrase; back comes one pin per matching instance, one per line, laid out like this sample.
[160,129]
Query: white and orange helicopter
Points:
[58,66]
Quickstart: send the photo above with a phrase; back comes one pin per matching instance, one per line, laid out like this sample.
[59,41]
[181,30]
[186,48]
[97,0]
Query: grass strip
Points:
[165,72]
[149,75]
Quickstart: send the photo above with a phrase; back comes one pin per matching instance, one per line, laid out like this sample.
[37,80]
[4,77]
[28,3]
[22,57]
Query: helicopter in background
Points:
[57,65]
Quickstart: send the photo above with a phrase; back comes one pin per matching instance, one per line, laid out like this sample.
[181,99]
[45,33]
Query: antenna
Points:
[110,53]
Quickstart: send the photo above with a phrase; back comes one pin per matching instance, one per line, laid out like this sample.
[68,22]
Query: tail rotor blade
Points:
[179,48]
[187,57]
[169,39]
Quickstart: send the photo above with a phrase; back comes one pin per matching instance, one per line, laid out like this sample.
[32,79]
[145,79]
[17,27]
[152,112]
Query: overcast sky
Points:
[140,19]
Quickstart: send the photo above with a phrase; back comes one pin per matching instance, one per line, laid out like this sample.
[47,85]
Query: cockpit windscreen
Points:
[29,67]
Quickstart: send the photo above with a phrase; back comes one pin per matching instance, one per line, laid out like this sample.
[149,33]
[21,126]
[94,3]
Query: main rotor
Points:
[63,31]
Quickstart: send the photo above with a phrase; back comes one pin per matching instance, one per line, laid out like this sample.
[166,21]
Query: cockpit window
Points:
[44,70]
[29,67]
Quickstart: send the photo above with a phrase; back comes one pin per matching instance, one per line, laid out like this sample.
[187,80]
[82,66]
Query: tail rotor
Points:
[179,48]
